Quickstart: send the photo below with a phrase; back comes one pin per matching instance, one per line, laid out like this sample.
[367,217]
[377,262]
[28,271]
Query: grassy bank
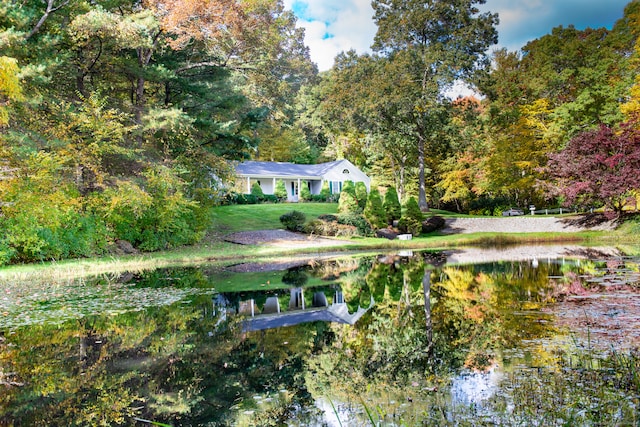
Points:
[231,219]
[227,219]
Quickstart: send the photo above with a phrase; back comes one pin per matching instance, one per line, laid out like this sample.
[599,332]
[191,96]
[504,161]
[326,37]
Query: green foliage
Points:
[342,225]
[233,198]
[361,194]
[332,228]
[411,221]
[293,221]
[347,203]
[358,221]
[43,218]
[305,193]
[10,89]
[391,204]
[295,277]
[489,206]
[112,91]
[256,191]
[412,210]
[374,211]
[152,218]
[325,192]
[280,191]
[49,227]
[349,187]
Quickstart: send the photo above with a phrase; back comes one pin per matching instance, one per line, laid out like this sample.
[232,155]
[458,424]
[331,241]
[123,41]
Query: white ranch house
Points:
[294,175]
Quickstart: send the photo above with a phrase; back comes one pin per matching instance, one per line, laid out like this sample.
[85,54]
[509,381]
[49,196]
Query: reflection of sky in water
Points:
[475,387]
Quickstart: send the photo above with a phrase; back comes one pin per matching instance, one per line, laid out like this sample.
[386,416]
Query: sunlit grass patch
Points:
[234,218]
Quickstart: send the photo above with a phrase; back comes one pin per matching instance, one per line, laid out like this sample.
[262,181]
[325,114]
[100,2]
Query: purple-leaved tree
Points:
[599,167]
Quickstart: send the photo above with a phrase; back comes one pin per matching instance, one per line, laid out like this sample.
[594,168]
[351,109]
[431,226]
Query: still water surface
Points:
[523,336]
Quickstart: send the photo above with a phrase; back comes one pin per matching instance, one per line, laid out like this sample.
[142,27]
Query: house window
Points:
[346,172]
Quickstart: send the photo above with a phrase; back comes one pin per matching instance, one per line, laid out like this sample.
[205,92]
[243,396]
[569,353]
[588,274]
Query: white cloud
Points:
[334,26]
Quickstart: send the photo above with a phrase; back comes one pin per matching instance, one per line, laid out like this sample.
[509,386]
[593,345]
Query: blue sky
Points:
[334,26]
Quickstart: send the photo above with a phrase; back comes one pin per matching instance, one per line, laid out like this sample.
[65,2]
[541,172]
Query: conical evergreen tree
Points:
[392,206]
[411,221]
[361,194]
[347,204]
[374,211]
[280,191]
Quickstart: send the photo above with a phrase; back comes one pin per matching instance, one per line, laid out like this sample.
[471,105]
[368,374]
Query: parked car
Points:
[512,212]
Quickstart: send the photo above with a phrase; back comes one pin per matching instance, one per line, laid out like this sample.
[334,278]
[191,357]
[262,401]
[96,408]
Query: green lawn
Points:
[234,218]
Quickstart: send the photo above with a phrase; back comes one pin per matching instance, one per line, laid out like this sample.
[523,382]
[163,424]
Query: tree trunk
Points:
[140,102]
[426,287]
[399,171]
[422,196]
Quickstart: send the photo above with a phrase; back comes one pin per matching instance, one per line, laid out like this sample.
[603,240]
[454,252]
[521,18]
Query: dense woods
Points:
[120,120]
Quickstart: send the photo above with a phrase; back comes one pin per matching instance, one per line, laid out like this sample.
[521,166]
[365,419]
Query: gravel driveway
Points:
[282,238]
[521,224]
[524,224]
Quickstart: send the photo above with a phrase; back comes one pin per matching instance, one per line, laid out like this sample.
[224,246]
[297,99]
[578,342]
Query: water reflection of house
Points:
[272,315]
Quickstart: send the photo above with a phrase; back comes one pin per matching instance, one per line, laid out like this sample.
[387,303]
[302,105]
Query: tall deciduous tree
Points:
[436,42]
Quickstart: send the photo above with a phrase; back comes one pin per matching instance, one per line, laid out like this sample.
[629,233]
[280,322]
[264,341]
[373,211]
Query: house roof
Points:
[338,313]
[285,169]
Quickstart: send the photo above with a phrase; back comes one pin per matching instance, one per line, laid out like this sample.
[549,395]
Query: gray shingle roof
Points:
[284,169]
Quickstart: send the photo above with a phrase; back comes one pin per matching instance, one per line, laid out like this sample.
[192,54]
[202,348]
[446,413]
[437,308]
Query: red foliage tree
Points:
[598,167]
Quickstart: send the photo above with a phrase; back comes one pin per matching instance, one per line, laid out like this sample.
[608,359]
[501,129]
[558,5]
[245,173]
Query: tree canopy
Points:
[599,167]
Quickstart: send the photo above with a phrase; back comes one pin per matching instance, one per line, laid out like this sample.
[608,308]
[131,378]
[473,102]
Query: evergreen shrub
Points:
[257,192]
[280,191]
[293,221]
[347,204]
[325,193]
[411,221]
[361,194]
[358,221]
[374,211]
[305,193]
[392,206]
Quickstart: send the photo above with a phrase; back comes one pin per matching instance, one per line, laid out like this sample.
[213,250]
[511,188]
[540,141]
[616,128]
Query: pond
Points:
[506,336]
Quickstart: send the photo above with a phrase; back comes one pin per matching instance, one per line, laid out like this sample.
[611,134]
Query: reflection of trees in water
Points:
[171,364]
[163,365]
[428,323]
[295,277]
[334,269]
